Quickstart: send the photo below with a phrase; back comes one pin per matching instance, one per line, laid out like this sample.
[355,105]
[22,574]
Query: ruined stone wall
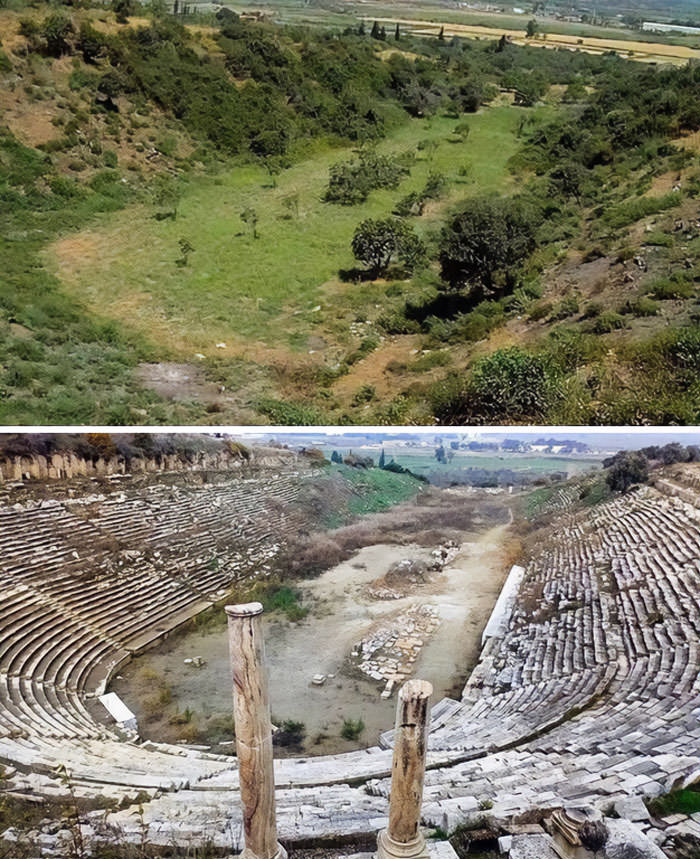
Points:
[68,465]
[676,490]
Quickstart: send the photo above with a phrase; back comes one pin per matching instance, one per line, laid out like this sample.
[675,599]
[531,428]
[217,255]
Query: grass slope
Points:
[235,287]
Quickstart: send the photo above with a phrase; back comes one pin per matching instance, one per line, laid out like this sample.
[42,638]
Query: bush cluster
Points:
[350,182]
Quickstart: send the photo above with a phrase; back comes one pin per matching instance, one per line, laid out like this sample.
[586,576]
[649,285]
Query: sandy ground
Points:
[342,613]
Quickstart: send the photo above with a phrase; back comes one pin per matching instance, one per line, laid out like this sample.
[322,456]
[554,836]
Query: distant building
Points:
[518,10]
[655,27]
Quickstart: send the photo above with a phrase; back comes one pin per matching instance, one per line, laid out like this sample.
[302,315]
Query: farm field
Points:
[631,48]
[263,297]
[422,462]
[293,11]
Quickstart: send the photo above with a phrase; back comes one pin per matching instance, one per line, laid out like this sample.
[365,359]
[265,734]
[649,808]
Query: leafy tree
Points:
[351,181]
[185,250]
[110,86]
[575,91]
[56,30]
[166,196]
[531,29]
[378,242]
[157,8]
[674,452]
[273,165]
[89,42]
[569,178]
[627,468]
[485,243]
[123,10]
[462,130]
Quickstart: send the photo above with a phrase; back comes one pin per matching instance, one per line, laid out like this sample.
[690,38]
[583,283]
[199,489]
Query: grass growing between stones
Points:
[280,598]
[677,802]
[352,728]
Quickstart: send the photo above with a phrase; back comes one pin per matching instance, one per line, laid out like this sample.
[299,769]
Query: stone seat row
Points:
[615,711]
[68,620]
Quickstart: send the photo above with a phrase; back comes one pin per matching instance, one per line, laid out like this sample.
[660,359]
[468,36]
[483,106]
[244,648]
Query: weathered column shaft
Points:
[403,838]
[408,768]
[251,711]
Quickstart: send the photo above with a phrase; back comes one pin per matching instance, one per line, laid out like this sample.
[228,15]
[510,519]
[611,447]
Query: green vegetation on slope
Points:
[228,260]
[376,489]
[238,286]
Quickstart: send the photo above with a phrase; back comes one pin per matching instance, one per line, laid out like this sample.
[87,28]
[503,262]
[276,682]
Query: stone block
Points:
[632,808]
[623,835]
[532,847]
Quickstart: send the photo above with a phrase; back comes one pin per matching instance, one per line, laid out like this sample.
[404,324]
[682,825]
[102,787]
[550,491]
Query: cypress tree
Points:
[374,33]
[397,34]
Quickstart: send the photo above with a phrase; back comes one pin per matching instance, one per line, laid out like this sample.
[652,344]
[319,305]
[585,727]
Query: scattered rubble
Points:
[389,654]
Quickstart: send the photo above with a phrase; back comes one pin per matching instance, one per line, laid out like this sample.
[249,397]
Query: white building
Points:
[655,27]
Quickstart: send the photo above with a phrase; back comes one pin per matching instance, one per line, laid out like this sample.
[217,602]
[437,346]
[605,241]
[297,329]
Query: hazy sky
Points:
[614,438]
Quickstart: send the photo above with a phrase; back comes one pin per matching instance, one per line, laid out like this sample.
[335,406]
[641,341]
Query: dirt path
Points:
[372,370]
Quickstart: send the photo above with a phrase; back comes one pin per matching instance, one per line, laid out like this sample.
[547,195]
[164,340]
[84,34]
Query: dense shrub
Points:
[608,321]
[350,182]
[56,30]
[508,385]
[485,243]
[626,469]
[669,288]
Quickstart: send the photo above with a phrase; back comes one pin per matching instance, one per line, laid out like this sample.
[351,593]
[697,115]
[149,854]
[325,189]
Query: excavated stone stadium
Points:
[587,690]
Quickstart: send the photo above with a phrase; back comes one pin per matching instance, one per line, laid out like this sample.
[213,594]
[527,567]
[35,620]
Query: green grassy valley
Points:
[236,285]
[326,225]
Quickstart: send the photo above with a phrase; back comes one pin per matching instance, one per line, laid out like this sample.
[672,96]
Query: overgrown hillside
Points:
[207,219]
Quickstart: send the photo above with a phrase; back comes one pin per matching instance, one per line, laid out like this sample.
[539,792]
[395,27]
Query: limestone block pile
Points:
[389,654]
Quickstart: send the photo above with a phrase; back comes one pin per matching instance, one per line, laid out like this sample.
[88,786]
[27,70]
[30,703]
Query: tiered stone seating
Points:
[591,692]
[86,581]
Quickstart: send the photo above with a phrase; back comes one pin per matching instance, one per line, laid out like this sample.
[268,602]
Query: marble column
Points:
[403,838]
[251,712]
